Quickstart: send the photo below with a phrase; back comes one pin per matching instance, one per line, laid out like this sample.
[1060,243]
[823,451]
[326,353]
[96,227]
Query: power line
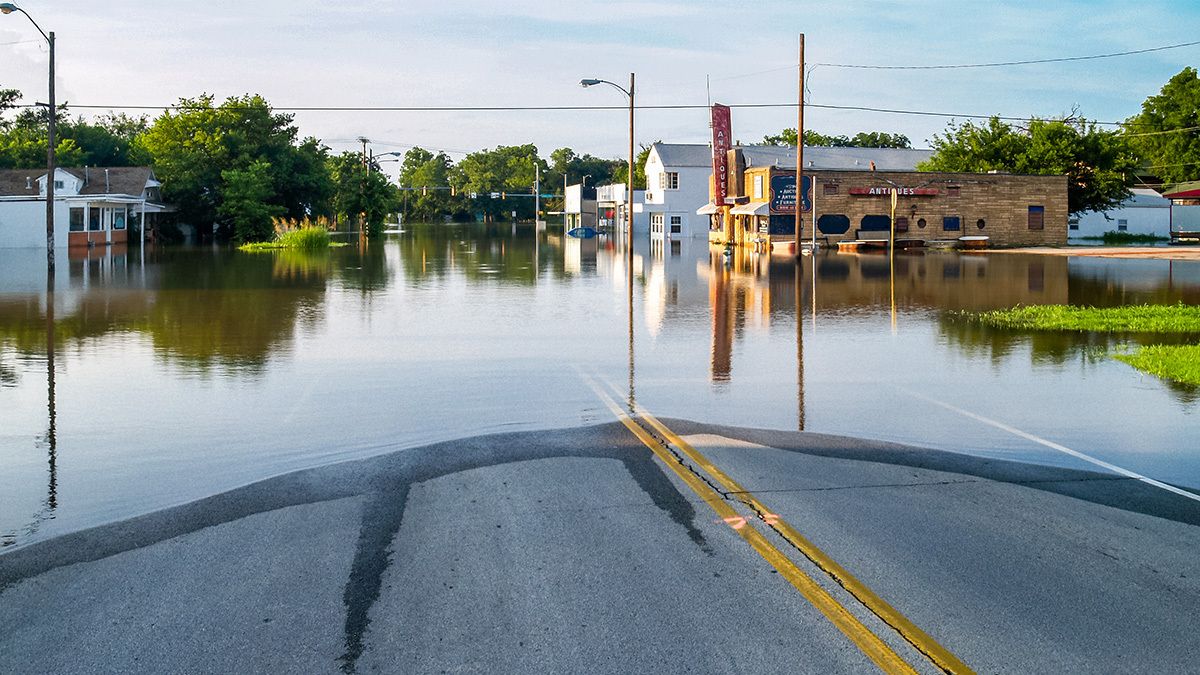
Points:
[585,108]
[999,64]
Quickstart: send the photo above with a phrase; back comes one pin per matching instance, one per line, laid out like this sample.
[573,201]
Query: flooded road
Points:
[192,371]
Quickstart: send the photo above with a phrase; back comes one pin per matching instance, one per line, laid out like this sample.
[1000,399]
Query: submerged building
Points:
[840,205]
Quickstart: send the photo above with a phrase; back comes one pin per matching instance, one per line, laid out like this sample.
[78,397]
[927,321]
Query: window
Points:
[1073,224]
[921,223]
[758,187]
[981,223]
[951,224]
[656,222]
[830,189]
[676,224]
[58,185]
[833,223]
[118,221]
[875,223]
[902,223]
[662,181]
[94,220]
[1037,217]
[1122,225]
[953,190]
[76,219]
[671,180]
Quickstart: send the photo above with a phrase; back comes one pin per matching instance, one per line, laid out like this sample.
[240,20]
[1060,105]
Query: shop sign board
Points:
[722,143]
[783,193]
[900,191]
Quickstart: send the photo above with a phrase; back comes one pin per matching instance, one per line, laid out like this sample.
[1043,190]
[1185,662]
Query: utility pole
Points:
[629,189]
[537,191]
[800,153]
[362,216]
[50,164]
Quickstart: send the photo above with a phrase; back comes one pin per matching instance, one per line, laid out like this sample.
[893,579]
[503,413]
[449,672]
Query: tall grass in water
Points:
[1180,363]
[1175,319]
[292,233]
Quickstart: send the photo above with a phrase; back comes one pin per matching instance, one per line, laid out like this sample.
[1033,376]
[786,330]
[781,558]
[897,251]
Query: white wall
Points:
[1186,218]
[23,224]
[691,195]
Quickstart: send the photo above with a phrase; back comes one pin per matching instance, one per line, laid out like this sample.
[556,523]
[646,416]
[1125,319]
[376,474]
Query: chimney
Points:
[86,175]
[28,182]
[106,189]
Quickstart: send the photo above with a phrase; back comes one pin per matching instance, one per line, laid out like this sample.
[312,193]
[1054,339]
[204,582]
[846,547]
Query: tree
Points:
[1098,164]
[23,139]
[863,139]
[360,192]
[194,145]
[1166,134]
[244,204]
[109,141]
[620,172]
[426,177]
[9,98]
[507,169]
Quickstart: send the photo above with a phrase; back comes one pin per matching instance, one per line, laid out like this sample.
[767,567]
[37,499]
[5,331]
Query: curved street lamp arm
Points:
[623,90]
[9,8]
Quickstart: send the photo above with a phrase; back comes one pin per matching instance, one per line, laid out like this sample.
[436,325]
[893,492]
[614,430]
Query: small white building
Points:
[612,212]
[678,177]
[1145,212]
[92,205]
[579,207]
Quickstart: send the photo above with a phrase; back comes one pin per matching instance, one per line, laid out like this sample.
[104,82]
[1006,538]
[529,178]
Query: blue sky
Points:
[532,52]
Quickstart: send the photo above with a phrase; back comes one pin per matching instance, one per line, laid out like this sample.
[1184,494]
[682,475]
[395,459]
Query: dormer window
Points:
[58,185]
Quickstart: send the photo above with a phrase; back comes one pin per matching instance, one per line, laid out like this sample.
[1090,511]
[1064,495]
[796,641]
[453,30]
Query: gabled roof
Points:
[122,180]
[844,159]
[1145,197]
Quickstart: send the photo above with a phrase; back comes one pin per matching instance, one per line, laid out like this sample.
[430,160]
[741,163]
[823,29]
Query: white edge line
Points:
[1055,446]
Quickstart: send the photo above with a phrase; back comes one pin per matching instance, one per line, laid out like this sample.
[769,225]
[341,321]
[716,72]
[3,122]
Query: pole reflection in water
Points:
[799,345]
[51,431]
[629,267]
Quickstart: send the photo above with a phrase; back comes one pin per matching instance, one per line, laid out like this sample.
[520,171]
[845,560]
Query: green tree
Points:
[427,179]
[360,192]
[863,139]
[506,169]
[23,140]
[245,205]
[1098,163]
[620,172]
[1166,134]
[191,148]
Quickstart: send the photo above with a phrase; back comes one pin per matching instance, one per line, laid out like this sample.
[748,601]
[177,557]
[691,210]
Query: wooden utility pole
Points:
[800,150]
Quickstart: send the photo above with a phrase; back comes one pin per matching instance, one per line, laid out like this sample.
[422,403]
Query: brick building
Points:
[1008,209]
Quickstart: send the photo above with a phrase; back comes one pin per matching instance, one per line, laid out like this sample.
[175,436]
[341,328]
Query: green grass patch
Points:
[1179,363]
[1117,238]
[303,239]
[1173,319]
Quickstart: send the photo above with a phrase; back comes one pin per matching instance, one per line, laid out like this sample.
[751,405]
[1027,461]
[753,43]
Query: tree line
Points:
[237,163]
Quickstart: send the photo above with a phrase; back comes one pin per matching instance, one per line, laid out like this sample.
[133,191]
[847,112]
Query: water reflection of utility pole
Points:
[629,266]
[799,349]
[51,431]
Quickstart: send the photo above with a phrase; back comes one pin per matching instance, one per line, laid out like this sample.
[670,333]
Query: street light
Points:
[629,187]
[9,8]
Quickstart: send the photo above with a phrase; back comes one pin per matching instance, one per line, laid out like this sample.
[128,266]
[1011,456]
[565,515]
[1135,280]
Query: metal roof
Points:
[815,157]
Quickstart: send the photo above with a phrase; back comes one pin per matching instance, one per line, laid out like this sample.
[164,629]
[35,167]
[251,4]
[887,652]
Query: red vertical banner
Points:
[722,134]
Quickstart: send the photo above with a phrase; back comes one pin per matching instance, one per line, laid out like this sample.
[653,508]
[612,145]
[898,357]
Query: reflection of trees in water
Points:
[233,311]
[479,252]
[211,310]
[363,267]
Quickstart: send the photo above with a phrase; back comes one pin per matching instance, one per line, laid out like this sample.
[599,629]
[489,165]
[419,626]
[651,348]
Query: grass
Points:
[1117,238]
[302,235]
[1173,319]
[1180,363]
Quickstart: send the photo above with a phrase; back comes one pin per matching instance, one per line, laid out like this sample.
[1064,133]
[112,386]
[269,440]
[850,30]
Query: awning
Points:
[707,210]
[753,209]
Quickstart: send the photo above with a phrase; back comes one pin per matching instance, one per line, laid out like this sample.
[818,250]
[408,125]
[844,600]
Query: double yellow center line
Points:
[870,644]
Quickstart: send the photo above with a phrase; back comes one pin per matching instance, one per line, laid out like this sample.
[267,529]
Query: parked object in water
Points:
[582,232]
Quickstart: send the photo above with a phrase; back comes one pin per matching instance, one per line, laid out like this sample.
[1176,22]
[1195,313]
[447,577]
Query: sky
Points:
[534,52]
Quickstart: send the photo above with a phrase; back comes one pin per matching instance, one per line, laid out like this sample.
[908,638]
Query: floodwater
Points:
[186,372]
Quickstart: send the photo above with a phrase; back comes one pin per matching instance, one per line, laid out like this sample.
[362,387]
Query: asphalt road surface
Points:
[632,546]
